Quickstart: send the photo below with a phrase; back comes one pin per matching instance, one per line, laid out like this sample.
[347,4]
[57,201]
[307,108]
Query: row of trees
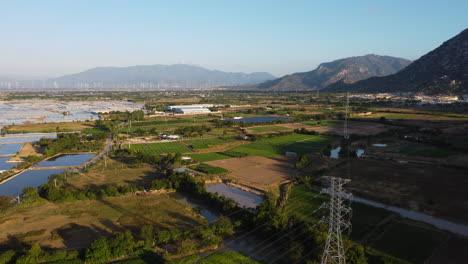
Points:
[126,116]
[69,142]
[190,131]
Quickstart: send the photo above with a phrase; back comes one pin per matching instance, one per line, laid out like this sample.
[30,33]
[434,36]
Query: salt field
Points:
[41,111]
[10,149]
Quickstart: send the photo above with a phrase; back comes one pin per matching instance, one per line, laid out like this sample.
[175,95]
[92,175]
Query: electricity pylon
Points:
[338,219]
[345,132]
[340,212]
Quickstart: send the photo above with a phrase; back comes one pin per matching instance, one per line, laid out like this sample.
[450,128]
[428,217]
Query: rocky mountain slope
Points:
[347,70]
[441,71]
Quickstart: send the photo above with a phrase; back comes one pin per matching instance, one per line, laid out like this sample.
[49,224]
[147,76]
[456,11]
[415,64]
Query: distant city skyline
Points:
[53,38]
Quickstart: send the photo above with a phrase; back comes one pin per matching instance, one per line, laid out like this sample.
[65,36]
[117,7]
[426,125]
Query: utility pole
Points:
[345,131]
[337,219]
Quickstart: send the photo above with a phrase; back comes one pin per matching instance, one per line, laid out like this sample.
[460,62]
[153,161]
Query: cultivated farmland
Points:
[271,147]
[160,148]
[205,143]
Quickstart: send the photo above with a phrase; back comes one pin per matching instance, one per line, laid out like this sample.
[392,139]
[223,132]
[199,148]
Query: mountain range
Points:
[347,70]
[147,77]
[441,71]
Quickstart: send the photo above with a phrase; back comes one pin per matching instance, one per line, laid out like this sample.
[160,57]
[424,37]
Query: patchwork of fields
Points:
[160,148]
[205,143]
[272,147]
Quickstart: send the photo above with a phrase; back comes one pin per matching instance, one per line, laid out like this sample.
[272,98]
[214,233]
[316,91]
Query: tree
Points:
[356,255]
[186,246]
[4,201]
[147,235]
[30,194]
[98,252]
[164,236]
[7,256]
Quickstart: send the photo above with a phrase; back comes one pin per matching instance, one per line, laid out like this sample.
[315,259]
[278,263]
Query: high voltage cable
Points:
[249,232]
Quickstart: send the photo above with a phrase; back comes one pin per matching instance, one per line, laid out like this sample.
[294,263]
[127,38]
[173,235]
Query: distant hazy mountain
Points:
[441,71]
[347,70]
[162,76]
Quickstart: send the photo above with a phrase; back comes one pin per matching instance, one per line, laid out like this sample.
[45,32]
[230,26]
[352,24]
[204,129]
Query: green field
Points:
[272,147]
[160,148]
[228,257]
[399,236]
[302,202]
[208,169]
[415,116]
[324,123]
[204,157]
[268,129]
[205,143]
[378,228]
[422,150]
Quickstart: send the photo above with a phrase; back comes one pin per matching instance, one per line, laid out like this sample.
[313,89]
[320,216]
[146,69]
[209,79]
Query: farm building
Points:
[170,137]
[190,109]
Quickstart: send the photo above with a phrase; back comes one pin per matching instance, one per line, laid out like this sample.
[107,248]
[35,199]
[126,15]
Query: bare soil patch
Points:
[432,189]
[354,127]
[27,150]
[256,171]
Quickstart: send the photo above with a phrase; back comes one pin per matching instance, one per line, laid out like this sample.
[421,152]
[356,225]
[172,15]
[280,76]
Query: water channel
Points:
[31,178]
[245,244]
[241,197]
[65,160]
[35,178]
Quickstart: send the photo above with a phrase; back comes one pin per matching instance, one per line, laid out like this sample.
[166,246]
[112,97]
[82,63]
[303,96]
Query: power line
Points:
[337,220]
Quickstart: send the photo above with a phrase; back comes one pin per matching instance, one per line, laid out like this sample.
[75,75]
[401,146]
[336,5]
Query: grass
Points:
[421,150]
[229,257]
[205,143]
[160,148]
[382,229]
[87,220]
[50,127]
[263,129]
[302,201]
[324,123]
[399,236]
[414,116]
[208,169]
[204,157]
[272,147]
[116,172]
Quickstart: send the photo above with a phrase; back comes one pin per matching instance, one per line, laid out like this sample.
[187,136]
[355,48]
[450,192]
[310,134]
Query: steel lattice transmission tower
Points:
[338,219]
[345,130]
[340,211]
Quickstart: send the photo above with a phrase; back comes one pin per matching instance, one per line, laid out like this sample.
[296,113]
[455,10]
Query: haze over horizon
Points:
[278,37]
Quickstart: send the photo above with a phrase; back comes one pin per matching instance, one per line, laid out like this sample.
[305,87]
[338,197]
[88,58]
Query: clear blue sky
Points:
[51,38]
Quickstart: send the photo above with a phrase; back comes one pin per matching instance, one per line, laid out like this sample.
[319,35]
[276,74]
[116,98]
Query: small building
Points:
[186,111]
[170,137]
[185,158]
[290,154]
